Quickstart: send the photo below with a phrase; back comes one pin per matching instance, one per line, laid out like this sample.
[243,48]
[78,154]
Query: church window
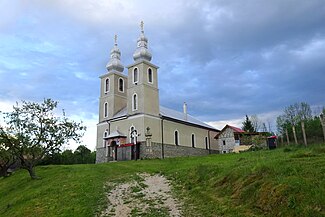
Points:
[134,102]
[206,143]
[150,75]
[224,142]
[121,84]
[133,135]
[135,76]
[105,134]
[106,85]
[176,137]
[105,110]
[193,140]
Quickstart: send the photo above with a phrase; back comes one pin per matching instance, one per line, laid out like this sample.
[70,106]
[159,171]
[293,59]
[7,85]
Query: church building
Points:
[132,124]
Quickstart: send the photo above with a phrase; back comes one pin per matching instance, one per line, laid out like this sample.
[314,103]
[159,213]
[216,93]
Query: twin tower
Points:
[136,93]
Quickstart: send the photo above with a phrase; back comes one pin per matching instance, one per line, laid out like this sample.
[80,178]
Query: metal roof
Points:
[115,134]
[173,114]
[166,112]
[236,129]
[121,113]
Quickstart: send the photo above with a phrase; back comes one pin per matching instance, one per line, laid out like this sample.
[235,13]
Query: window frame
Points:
[119,85]
[135,104]
[176,137]
[206,140]
[105,110]
[148,75]
[135,70]
[105,134]
[193,140]
[131,129]
[107,85]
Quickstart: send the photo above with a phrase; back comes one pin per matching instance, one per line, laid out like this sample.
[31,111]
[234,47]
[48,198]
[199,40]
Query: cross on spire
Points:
[141,25]
[115,39]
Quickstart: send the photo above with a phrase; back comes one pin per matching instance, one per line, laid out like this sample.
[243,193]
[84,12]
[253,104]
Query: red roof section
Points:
[236,129]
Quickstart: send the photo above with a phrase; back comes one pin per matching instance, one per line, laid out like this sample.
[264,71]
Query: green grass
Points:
[288,181]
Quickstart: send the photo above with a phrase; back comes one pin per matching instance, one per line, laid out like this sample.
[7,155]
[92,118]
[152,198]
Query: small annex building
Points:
[133,125]
[233,139]
[229,138]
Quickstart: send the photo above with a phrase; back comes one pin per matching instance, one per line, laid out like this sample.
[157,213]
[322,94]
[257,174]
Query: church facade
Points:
[132,124]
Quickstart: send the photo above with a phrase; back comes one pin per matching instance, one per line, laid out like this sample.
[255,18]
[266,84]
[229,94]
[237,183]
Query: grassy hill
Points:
[284,182]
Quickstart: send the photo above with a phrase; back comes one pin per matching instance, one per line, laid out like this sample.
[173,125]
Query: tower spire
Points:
[142,52]
[115,60]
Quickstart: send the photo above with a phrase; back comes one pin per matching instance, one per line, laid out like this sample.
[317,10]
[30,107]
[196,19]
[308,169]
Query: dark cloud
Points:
[224,58]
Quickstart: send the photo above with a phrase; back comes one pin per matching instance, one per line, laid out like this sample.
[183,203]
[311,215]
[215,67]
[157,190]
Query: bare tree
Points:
[291,116]
[322,119]
[255,122]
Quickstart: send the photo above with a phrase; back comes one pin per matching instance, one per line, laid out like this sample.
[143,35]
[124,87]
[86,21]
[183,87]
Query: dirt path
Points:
[146,195]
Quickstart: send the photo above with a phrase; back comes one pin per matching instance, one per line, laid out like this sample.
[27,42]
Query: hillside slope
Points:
[283,182]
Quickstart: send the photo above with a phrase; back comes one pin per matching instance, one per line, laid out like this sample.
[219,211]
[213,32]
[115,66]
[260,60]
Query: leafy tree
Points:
[33,131]
[83,155]
[247,125]
[67,157]
[7,158]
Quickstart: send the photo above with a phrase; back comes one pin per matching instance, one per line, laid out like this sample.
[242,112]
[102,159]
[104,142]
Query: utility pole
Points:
[304,132]
[322,120]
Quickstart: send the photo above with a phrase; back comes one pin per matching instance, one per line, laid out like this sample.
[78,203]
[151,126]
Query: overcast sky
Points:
[225,59]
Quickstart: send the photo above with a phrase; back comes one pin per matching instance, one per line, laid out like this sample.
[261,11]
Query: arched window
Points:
[134,102]
[176,138]
[106,85]
[193,140]
[206,143]
[135,75]
[105,110]
[121,84]
[105,135]
[133,135]
[150,75]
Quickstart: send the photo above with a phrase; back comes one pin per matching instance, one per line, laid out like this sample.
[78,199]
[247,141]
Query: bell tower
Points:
[113,92]
[143,93]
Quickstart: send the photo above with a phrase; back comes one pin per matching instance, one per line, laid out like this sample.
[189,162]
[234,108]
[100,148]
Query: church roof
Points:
[172,114]
[121,113]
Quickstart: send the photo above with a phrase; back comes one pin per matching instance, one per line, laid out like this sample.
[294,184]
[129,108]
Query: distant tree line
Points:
[298,125]
[82,155]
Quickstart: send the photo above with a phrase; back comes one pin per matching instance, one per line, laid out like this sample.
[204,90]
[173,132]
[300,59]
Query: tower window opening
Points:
[150,75]
[105,110]
[106,85]
[121,84]
[135,75]
[134,102]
